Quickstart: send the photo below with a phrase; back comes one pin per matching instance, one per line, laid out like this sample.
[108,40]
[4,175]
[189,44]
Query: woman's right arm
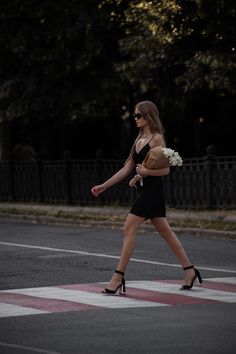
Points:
[116,178]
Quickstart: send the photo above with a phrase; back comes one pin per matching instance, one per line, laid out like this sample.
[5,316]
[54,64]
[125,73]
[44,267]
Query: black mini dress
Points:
[150,202]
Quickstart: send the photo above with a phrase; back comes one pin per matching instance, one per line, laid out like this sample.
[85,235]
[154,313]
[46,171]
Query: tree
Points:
[182,53]
[70,70]
[57,78]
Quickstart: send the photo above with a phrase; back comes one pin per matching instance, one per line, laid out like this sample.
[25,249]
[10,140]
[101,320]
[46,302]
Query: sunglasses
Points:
[137,116]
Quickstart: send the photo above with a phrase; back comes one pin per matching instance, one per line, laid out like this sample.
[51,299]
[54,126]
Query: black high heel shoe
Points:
[120,287]
[197,275]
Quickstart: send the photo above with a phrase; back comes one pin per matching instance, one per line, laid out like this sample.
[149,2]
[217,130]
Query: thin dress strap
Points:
[151,138]
[147,144]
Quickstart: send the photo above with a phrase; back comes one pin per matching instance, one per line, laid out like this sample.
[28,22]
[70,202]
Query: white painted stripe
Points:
[226,280]
[31,349]
[84,253]
[85,297]
[200,293]
[8,310]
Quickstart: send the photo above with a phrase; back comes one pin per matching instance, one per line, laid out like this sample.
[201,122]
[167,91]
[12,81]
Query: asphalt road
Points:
[44,258]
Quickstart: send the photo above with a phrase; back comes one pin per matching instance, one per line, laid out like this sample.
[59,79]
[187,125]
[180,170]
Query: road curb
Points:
[52,220]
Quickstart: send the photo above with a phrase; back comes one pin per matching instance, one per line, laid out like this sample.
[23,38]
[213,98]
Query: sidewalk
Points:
[217,223]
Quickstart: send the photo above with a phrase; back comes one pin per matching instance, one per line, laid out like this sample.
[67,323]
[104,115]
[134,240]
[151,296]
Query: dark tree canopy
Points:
[71,72]
[57,72]
[182,54]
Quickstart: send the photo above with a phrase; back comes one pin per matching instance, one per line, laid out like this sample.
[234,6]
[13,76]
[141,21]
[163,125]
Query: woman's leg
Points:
[130,227]
[175,245]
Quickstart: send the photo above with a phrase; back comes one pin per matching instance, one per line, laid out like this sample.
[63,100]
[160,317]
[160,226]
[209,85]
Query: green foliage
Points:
[72,65]
[54,57]
[56,73]
[182,55]
[173,42]
[215,71]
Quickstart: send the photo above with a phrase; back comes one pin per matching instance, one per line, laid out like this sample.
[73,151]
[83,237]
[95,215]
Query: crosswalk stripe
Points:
[84,297]
[8,310]
[44,304]
[143,294]
[201,293]
[209,284]
[219,286]
[76,297]
[226,280]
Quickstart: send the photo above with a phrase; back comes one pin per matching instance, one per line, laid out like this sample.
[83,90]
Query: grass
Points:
[204,224]
[215,224]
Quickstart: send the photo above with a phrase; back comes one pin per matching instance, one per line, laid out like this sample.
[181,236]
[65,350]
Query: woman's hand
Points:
[141,170]
[96,190]
[134,180]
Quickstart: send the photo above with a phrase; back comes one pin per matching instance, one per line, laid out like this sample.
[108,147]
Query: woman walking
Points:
[150,203]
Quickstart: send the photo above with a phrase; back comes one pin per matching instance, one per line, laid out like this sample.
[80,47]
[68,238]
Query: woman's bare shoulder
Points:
[157,140]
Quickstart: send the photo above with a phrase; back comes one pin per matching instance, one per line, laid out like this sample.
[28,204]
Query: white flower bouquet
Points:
[157,158]
[160,157]
[173,156]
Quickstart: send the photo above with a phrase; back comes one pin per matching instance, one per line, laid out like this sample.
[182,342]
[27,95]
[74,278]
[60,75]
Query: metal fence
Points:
[208,182]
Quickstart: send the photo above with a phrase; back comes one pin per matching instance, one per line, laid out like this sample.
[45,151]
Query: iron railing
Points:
[208,182]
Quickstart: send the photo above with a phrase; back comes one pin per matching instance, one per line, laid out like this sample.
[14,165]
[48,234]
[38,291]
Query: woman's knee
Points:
[128,230]
[163,227]
[131,225]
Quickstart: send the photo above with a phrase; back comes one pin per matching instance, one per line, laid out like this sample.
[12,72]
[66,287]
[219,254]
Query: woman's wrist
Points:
[105,186]
[146,172]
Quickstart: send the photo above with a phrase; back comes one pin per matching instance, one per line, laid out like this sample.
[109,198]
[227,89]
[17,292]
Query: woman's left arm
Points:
[144,172]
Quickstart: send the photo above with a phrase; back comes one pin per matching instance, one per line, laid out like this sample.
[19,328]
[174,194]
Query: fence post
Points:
[210,163]
[40,178]
[99,174]
[67,167]
[11,166]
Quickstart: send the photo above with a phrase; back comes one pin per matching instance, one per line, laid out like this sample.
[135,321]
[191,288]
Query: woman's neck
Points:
[146,133]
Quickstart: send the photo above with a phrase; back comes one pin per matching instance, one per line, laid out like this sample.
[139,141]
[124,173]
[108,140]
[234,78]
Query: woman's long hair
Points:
[149,112]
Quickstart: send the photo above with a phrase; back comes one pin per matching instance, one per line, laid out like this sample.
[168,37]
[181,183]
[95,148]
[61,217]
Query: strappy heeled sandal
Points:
[120,287]
[197,275]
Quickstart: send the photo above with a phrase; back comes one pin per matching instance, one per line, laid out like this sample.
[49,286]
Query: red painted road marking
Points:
[78,297]
[207,284]
[49,305]
[146,295]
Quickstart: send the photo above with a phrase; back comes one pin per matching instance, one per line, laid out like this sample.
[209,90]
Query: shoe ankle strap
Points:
[119,272]
[189,267]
